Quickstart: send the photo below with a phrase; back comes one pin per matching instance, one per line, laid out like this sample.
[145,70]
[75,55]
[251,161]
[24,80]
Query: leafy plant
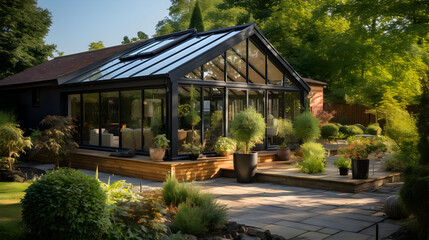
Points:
[362,147]
[311,165]
[57,139]
[329,131]
[65,204]
[285,128]
[175,193]
[141,218]
[248,127]
[361,127]
[350,130]
[314,158]
[162,142]
[119,191]
[7,117]
[193,148]
[225,145]
[373,129]
[306,127]
[343,163]
[283,145]
[12,142]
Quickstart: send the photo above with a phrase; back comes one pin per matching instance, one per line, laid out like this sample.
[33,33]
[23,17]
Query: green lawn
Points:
[10,208]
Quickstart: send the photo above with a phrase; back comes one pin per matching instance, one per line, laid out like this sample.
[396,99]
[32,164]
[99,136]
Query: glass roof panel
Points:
[123,69]
[236,59]
[96,73]
[152,46]
[158,59]
[197,49]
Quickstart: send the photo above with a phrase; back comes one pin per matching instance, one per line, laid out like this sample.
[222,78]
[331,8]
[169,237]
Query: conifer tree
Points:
[197,18]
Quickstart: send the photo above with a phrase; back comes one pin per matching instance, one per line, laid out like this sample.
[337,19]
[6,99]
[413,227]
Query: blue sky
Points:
[77,23]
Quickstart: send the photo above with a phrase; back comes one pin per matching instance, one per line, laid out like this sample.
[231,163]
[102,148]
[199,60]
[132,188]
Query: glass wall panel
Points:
[213,108]
[275,106]
[195,74]
[288,81]
[236,59]
[292,105]
[131,119]
[256,64]
[110,119]
[90,124]
[256,100]
[154,121]
[214,70]
[275,76]
[189,117]
[236,103]
[74,112]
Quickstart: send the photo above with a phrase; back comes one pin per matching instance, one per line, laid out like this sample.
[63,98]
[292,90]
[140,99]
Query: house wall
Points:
[20,102]
[316,99]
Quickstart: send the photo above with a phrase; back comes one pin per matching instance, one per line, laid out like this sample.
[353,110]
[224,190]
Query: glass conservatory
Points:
[128,99]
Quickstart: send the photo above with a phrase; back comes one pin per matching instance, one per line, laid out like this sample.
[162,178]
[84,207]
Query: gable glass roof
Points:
[141,61]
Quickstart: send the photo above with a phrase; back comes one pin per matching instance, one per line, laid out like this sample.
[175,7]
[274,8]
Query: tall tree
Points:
[96,45]
[140,36]
[197,18]
[23,26]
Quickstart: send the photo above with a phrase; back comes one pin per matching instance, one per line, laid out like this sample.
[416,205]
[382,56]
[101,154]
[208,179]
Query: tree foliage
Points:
[23,26]
[96,45]
[12,142]
[197,18]
[140,36]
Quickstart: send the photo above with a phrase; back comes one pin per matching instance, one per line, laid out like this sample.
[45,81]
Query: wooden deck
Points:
[143,167]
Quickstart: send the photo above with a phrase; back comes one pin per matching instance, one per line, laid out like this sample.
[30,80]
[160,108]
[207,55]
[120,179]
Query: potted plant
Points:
[343,164]
[358,151]
[285,131]
[194,150]
[225,146]
[247,128]
[162,143]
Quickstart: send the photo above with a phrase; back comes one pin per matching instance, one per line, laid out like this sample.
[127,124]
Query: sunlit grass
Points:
[10,208]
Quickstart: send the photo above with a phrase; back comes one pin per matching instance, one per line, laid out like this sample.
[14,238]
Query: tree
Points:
[57,139]
[197,19]
[12,142]
[140,36]
[23,27]
[96,45]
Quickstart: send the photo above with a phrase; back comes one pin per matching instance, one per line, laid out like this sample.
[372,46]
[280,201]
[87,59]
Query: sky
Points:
[77,23]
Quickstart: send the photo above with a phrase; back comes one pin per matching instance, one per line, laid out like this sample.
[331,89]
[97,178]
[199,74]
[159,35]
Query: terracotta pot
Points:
[156,154]
[283,154]
[344,171]
[360,168]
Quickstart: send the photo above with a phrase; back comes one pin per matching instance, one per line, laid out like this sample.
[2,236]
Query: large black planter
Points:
[360,169]
[245,166]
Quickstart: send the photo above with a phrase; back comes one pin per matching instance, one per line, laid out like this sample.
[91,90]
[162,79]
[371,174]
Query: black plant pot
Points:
[360,168]
[344,171]
[194,156]
[245,166]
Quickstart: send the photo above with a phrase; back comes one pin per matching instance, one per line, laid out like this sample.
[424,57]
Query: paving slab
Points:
[286,232]
[302,226]
[311,236]
[330,231]
[384,230]
[344,235]
[338,223]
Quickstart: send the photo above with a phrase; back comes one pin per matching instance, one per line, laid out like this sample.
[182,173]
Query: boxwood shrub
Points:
[329,131]
[65,204]
[373,129]
[306,127]
[350,130]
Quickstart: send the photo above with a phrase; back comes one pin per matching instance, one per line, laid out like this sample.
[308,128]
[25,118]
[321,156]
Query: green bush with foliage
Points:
[12,143]
[343,163]
[314,155]
[306,127]
[162,142]
[329,131]
[248,128]
[197,212]
[363,128]
[140,218]
[65,204]
[286,129]
[350,130]
[225,145]
[374,129]
[7,117]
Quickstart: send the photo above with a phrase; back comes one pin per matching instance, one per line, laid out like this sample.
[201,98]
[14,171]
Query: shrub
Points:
[306,127]
[138,219]
[57,139]
[314,158]
[350,130]
[12,142]
[225,145]
[415,196]
[343,162]
[7,117]
[373,129]
[175,193]
[248,127]
[393,162]
[361,127]
[65,204]
[285,128]
[329,131]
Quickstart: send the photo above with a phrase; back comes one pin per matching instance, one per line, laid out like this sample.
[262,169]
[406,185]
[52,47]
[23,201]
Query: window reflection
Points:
[236,104]
[90,124]
[74,111]
[236,59]
[110,119]
[213,116]
[131,119]
[275,76]
[256,64]
[275,106]
[214,70]
[292,105]
[195,74]
[189,117]
[154,115]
